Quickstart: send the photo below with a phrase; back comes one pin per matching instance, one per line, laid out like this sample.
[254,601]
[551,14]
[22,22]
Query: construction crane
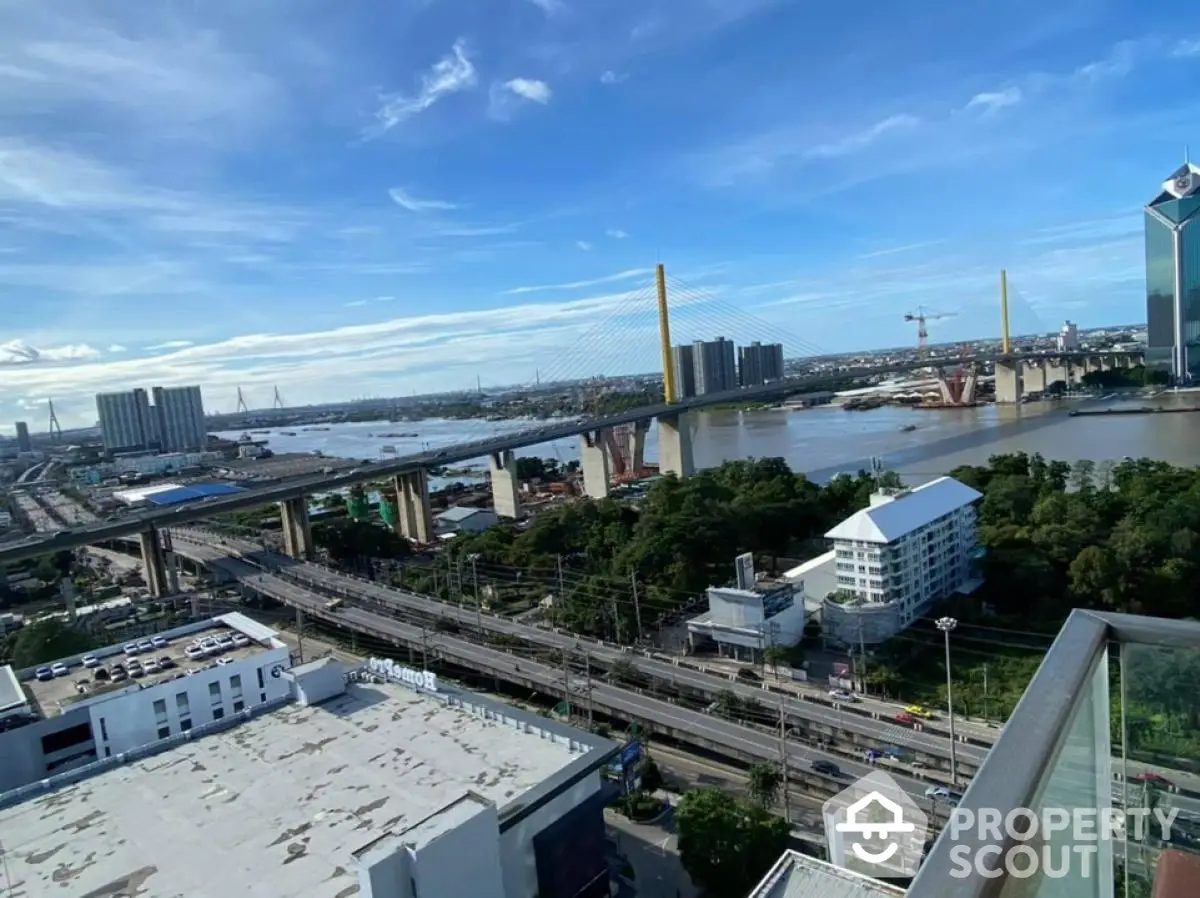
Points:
[922,334]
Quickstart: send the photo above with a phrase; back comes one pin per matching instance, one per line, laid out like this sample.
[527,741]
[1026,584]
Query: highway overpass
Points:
[409,471]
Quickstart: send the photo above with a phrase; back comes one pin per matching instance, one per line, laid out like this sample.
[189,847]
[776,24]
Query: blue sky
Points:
[373,198]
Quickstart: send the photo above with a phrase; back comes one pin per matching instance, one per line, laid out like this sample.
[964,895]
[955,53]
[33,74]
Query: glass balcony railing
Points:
[1093,789]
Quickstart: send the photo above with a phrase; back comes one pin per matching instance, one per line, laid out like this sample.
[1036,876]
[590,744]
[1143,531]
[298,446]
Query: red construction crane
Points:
[922,334]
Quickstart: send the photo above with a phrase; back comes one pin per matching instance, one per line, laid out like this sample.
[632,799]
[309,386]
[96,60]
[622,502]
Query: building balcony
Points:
[1104,746]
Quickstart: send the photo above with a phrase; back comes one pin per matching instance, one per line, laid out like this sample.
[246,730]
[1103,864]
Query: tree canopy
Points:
[44,641]
[727,845]
[679,538]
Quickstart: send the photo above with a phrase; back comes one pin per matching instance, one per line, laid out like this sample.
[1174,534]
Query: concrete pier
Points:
[506,497]
[414,514]
[1008,382]
[154,568]
[675,454]
[297,531]
[594,458]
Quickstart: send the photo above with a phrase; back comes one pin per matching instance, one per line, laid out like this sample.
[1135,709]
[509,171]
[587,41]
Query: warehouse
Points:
[382,783]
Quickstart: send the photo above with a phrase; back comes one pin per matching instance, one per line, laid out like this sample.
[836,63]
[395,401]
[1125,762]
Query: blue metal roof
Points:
[192,493]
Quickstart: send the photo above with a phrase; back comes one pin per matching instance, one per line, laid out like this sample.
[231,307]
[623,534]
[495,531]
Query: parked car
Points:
[59,669]
[90,661]
[745,673]
[827,767]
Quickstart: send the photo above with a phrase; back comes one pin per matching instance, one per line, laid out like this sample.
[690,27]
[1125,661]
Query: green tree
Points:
[776,656]
[349,542]
[764,783]
[727,845]
[45,641]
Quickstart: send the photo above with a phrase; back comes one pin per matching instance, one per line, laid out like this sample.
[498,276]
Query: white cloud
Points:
[117,348]
[18,352]
[449,75]
[993,101]
[628,275]
[860,140]
[611,77]
[405,200]
[549,7]
[169,344]
[616,234]
[354,304]
[537,91]
[583,245]
[482,231]
[384,298]
[1186,48]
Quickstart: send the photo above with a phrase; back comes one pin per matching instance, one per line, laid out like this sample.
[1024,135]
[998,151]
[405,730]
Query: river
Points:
[823,441]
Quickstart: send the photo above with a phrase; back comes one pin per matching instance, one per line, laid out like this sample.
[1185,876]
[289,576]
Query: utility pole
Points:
[783,762]
[424,648]
[561,587]
[947,625]
[587,666]
[637,605]
[985,695]
[567,683]
[478,603]
[862,656]
[300,634]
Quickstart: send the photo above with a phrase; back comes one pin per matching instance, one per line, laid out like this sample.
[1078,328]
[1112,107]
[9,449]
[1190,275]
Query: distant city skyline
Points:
[432,192]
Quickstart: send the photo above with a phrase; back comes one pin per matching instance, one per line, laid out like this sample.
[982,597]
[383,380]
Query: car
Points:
[240,640]
[919,711]
[744,673]
[145,646]
[130,648]
[827,767]
[937,793]
[118,673]
[1150,778]
[842,695]
[58,669]
[101,675]
[221,662]
[903,717]
[195,652]
[90,661]
[44,674]
[149,666]
[166,662]
[159,642]
[334,604]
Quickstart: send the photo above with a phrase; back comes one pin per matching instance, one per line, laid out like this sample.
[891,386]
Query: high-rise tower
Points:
[1173,274]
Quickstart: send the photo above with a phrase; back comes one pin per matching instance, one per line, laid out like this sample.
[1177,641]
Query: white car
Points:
[159,642]
[90,661]
[131,648]
[58,669]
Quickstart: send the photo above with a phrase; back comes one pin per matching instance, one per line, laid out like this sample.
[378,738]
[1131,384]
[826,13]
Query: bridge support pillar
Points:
[637,447]
[1033,377]
[1008,382]
[297,532]
[154,568]
[675,445]
[594,458]
[414,515]
[506,498]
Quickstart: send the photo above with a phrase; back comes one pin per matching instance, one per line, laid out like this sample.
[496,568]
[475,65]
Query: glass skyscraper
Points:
[1173,274]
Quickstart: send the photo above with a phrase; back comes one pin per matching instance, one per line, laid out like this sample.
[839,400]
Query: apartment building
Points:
[908,550]
[760,364]
[715,366]
[126,424]
[179,417]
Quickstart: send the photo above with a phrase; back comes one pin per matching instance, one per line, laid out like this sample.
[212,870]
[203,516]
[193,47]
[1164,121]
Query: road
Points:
[879,732]
[544,433]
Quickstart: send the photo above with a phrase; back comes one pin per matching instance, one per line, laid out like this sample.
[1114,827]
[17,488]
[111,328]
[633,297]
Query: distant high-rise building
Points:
[759,364]
[126,424]
[1068,337]
[683,360]
[24,444]
[1173,273]
[715,366]
[179,419]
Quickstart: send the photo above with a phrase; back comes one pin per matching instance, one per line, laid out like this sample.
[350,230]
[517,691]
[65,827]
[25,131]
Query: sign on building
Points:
[744,565]
[397,673]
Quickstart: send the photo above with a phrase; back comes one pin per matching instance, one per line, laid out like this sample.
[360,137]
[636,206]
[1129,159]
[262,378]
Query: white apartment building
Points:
[72,715]
[1068,337]
[894,559]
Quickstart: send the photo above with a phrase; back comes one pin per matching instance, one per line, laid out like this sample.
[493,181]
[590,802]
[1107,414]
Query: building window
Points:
[103,729]
[235,687]
[238,706]
[214,692]
[261,683]
[164,732]
[218,712]
[185,723]
[181,703]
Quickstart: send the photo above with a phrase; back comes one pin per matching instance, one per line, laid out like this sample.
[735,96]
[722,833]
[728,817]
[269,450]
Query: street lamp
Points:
[947,625]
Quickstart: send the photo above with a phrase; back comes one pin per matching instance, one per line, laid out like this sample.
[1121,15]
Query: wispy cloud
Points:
[530,89]
[117,348]
[628,275]
[1186,48]
[616,234]
[169,344]
[451,74]
[860,140]
[610,77]
[583,246]
[903,248]
[990,102]
[482,231]
[18,352]
[356,303]
[549,7]
[406,200]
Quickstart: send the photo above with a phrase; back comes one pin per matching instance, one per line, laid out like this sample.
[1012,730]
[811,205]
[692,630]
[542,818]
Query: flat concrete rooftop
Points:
[276,806]
[52,697]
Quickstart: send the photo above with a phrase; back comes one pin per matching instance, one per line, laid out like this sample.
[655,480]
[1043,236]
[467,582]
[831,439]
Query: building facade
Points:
[73,719]
[24,444]
[683,361]
[759,364]
[179,419]
[126,424]
[1173,274]
[1068,337]
[895,559]
[715,366]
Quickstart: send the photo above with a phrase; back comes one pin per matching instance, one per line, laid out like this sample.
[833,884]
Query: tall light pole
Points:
[947,625]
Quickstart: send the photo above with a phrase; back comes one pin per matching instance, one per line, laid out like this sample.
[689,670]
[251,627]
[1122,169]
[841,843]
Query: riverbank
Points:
[1140,410]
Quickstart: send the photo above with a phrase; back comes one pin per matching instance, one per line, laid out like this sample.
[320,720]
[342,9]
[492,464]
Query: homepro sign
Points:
[397,673]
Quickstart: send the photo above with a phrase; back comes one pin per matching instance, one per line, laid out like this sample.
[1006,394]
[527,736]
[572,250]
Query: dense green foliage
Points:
[678,539]
[351,542]
[1137,376]
[44,641]
[727,845]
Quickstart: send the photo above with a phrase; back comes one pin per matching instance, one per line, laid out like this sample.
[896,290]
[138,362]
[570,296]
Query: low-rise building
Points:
[744,620]
[899,556]
[797,875]
[382,782]
[81,713]
[462,519]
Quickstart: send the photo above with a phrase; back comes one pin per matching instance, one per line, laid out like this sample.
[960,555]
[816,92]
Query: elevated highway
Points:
[497,447]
